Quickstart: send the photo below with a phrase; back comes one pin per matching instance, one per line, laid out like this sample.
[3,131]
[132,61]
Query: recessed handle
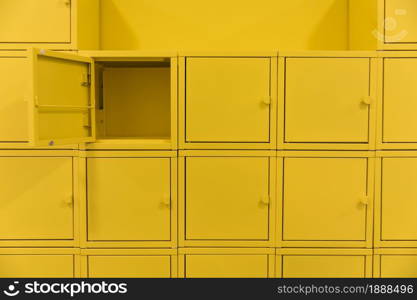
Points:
[367,100]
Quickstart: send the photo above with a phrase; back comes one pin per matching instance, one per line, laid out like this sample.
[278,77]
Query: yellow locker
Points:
[395,263]
[327,199]
[12,94]
[149,263]
[227,102]
[54,24]
[226,263]
[39,205]
[324,263]
[397,106]
[144,185]
[136,95]
[326,100]
[226,198]
[396,199]
[38,262]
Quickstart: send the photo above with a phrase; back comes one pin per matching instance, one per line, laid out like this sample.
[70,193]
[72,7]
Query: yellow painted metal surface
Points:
[144,111]
[12,94]
[401,21]
[142,189]
[217,207]
[129,266]
[399,117]
[325,199]
[224,266]
[36,265]
[62,107]
[104,201]
[322,266]
[239,100]
[399,199]
[398,266]
[327,100]
[51,24]
[224,25]
[38,198]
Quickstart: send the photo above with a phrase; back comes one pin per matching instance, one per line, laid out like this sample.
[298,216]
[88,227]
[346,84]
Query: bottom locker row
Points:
[206,263]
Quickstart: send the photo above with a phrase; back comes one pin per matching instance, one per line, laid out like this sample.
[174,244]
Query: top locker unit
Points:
[111,99]
[50,24]
[383,24]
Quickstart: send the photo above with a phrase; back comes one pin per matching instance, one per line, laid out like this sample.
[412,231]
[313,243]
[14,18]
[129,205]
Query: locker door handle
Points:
[266,100]
[364,201]
[265,200]
[166,202]
[367,100]
[69,201]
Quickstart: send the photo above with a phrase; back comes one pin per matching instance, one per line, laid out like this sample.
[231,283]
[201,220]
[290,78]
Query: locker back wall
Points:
[223,149]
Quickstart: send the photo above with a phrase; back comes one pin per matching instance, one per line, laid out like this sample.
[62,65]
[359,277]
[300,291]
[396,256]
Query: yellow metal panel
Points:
[399,106]
[217,207]
[224,25]
[14,106]
[224,266]
[34,21]
[37,195]
[329,266]
[132,266]
[393,266]
[137,102]
[39,265]
[400,21]
[363,23]
[142,189]
[399,199]
[325,199]
[62,106]
[327,100]
[228,99]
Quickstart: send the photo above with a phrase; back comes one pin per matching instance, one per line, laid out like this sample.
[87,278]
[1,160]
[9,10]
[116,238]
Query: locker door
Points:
[399,266]
[399,103]
[227,99]
[325,100]
[399,199]
[139,266]
[401,16]
[34,21]
[37,198]
[323,266]
[36,266]
[62,99]
[323,199]
[13,108]
[224,266]
[226,198]
[129,199]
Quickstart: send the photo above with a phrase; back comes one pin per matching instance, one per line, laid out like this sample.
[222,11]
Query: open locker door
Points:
[62,107]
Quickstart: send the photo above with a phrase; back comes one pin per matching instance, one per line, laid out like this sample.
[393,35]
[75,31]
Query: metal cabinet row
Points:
[287,199]
[343,100]
[208,262]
